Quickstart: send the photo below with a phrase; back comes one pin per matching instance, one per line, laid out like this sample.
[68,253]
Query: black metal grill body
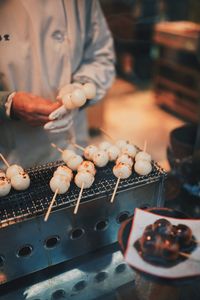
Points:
[29,244]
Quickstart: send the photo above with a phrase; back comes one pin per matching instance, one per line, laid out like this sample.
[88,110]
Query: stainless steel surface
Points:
[32,244]
[97,276]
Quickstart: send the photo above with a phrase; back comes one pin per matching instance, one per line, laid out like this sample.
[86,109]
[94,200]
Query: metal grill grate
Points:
[35,200]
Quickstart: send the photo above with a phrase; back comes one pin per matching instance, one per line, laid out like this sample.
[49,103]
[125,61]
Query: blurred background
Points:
[157,60]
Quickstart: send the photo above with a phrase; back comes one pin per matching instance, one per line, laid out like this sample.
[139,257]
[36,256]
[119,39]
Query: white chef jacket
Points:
[48,44]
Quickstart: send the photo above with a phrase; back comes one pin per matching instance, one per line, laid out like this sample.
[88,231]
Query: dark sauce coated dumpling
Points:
[148,229]
[162,243]
[150,244]
[170,249]
[184,235]
[162,227]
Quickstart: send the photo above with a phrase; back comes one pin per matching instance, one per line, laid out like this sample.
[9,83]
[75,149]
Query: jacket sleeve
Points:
[3,97]
[98,63]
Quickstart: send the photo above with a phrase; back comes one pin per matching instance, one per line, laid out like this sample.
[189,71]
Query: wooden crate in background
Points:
[177,72]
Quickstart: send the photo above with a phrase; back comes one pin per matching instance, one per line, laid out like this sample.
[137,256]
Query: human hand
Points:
[72,95]
[33,109]
[60,120]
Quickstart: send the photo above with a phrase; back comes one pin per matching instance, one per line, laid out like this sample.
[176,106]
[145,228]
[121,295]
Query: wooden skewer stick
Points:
[196,242]
[50,206]
[79,199]
[115,190]
[107,134]
[78,147]
[187,255]
[145,146]
[56,147]
[5,161]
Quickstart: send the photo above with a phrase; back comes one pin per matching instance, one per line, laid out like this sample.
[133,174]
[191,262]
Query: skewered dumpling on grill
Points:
[87,166]
[142,155]
[20,181]
[74,161]
[13,170]
[66,154]
[89,152]
[84,178]
[100,158]
[59,182]
[122,170]
[113,152]
[64,171]
[2,173]
[143,167]
[129,149]
[5,185]
[121,143]
[125,159]
[104,145]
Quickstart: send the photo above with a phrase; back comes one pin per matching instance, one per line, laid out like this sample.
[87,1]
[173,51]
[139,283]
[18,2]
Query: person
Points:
[47,46]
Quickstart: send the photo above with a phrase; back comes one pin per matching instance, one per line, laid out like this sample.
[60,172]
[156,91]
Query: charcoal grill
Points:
[29,244]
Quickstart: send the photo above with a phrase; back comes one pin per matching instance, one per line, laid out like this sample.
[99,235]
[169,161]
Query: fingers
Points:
[40,118]
[58,124]
[58,113]
[45,107]
[34,119]
[62,129]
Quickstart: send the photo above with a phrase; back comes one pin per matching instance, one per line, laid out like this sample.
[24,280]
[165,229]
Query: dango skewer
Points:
[19,179]
[59,184]
[142,164]
[121,171]
[66,154]
[88,152]
[79,199]
[71,159]
[123,146]
[87,166]
[115,190]
[76,96]
[5,185]
[91,152]
[83,180]
[143,155]
[51,205]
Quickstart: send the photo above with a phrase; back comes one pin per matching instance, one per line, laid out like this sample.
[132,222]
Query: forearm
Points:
[98,62]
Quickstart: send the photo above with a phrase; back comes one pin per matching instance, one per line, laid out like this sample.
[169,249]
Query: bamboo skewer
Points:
[189,256]
[5,161]
[107,134]
[145,146]
[56,147]
[115,190]
[50,206]
[78,147]
[79,199]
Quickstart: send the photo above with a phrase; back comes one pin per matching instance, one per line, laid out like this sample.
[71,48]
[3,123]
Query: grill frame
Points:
[23,205]
[29,230]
